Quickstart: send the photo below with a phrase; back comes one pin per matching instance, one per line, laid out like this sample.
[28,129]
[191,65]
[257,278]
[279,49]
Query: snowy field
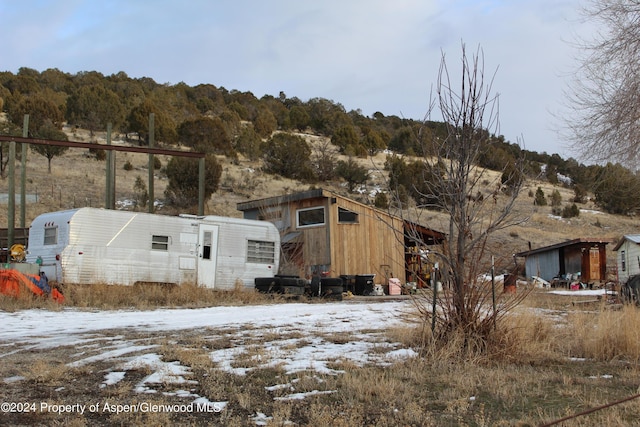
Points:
[294,337]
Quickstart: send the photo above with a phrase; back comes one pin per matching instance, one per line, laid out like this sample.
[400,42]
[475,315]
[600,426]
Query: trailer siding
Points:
[120,247]
[117,249]
[233,242]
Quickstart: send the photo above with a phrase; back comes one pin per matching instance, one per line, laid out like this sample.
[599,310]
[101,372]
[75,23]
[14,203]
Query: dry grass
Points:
[531,376]
[41,372]
[607,336]
[26,300]
[142,297]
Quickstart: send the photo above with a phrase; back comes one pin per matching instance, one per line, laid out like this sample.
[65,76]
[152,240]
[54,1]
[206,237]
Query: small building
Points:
[582,257]
[323,233]
[628,256]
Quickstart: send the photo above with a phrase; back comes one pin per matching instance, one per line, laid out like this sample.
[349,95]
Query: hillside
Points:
[77,180]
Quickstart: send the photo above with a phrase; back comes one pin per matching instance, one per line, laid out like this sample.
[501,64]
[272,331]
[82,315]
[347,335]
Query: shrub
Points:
[570,211]
[556,198]
[97,153]
[381,201]
[289,156]
[540,199]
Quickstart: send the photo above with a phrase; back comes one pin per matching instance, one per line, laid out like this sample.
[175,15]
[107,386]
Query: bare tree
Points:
[475,202]
[604,96]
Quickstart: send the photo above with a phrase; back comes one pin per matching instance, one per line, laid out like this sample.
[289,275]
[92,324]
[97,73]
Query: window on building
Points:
[623,259]
[310,217]
[261,252]
[160,243]
[50,235]
[347,217]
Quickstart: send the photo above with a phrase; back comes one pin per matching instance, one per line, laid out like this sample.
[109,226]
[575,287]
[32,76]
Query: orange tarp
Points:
[13,283]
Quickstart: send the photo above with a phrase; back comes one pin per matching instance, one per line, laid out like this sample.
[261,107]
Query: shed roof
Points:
[573,242]
[319,193]
[280,200]
[635,238]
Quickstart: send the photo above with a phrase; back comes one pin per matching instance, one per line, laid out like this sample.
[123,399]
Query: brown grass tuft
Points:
[606,335]
[150,296]
[47,373]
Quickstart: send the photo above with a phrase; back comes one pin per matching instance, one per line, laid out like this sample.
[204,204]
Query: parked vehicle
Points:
[630,291]
[90,245]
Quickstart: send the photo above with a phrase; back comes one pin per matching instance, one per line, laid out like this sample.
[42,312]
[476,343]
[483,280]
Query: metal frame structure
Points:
[110,169]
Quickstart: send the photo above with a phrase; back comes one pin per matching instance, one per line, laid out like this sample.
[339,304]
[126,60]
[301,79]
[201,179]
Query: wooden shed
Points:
[628,257]
[328,234]
[584,257]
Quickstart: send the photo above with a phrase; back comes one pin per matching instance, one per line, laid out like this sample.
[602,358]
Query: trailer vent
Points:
[261,252]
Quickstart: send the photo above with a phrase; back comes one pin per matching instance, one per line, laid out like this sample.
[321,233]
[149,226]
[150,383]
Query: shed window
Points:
[623,260]
[261,252]
[160,243]
[347,216]
[310,217]
[50,235]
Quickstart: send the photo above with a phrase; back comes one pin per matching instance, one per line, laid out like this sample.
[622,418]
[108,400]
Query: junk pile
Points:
[325,287]
[14,283]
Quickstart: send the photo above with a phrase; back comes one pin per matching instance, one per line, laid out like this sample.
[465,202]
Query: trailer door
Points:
[207,255]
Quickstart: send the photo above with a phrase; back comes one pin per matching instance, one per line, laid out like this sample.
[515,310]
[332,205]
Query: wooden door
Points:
[594,264]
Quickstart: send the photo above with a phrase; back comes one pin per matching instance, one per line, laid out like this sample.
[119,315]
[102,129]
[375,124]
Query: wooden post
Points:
[109,195]
[23,172]
[11,210]
[493,290]
[434,289]
[201,186]
[152,197]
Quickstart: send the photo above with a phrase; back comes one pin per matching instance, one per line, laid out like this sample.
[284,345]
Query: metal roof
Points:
[573,242]
[635,238]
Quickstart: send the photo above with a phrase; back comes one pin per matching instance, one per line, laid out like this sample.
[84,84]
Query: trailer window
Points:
[310,217]
[624,261]
[207,244]
[261,252]
[50,235]
[160,243]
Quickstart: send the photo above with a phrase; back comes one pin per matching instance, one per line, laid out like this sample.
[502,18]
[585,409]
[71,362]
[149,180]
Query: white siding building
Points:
[628,256]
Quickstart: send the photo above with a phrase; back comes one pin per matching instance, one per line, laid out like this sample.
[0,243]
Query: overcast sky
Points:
[372,55]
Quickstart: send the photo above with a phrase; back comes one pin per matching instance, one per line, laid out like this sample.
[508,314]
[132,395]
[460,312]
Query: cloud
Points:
[372,55]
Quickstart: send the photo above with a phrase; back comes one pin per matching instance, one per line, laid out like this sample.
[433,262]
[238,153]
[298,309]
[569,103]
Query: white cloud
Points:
[369,55]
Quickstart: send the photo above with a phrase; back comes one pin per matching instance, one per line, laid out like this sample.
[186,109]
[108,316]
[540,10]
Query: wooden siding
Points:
[373,245]
[316,243]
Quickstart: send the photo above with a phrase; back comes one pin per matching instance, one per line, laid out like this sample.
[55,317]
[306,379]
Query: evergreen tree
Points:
[540,199]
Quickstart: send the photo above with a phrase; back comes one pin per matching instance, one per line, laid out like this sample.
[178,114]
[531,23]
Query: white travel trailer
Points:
[89,245]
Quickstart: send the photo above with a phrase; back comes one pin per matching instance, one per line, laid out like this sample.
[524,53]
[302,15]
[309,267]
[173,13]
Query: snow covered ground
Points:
[294,336]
